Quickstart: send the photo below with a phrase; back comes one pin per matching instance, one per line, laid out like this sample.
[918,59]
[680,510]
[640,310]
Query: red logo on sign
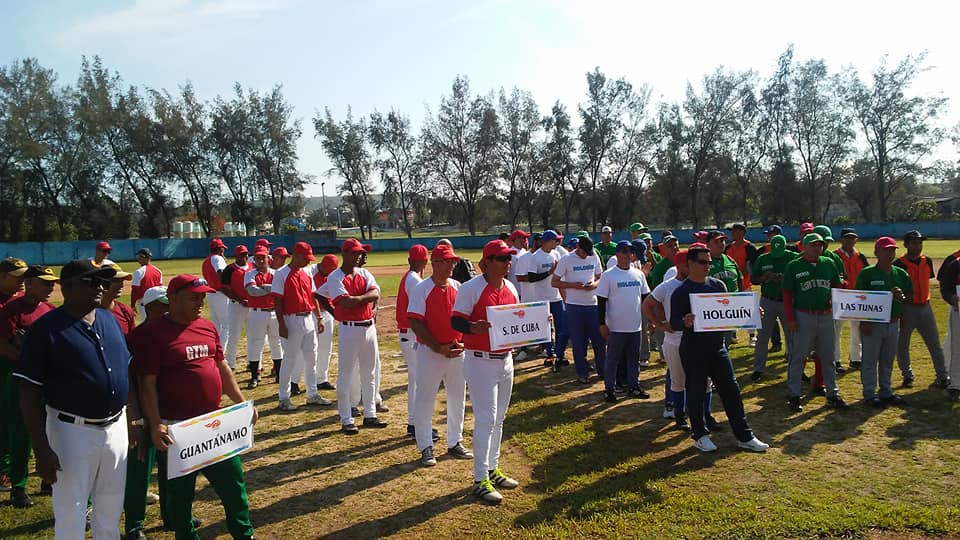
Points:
[213,425]
[861,297]
[520,313]
[724,301]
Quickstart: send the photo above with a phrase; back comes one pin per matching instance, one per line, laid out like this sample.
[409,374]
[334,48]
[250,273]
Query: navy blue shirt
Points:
[81,368]
[680,306]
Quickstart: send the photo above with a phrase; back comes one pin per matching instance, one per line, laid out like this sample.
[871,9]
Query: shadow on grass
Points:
[41,527]
[395,523]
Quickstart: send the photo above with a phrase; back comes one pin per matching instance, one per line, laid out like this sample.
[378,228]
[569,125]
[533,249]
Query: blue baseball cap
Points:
[640,248]
[550,234]
[624,245]
[573,241]
[773,229]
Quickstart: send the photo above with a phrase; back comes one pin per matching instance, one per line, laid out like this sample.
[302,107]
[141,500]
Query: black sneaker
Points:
[434,434]
[793,403]
[837,402]
[135,534]
[19,498]
[295,389]
[755,376]
[374,422]
[637,392]
[250,386]
[349,429]
[411,431]
[874,402]
[680,422]
[382,407]
[609,397]
[821,391]
[908,382]
[563,362]
[776,347]
[325,385]
[618,389]
[855,366]
[459,452]
[355,412]
[805,378]
[941,382]
[840,368]
[712,423]
[46,490]
[894,400]
[953,394]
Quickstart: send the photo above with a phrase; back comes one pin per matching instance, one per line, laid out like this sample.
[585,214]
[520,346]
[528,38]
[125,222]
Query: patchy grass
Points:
[589,469]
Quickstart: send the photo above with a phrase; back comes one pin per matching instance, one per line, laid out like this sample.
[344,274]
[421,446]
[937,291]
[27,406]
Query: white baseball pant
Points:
[93,463]
[432,368]
[218,314]
[237,317]
[356,353]
[671,355]
[491,383]
[355,383]
[856,348]
[324,350]
[299,345]
[408,347]
[262,325]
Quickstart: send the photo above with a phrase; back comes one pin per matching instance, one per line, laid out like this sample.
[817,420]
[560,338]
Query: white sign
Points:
[518,325]
[714,312]
[210,438]
[854,305]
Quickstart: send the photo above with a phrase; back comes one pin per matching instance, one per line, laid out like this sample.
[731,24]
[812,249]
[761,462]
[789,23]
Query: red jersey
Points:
[4,299]
[144,277]
[236,272]
[296,288]
[17,315]
[409,280]
[258,278]
[473,297]
[211,268]
[185,359]
[434,305]
[340,285]
[125,316]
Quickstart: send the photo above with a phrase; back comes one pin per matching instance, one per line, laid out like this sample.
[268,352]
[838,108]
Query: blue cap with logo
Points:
[549,235]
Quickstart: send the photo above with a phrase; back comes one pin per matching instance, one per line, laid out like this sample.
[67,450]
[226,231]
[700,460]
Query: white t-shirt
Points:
[563,251]
[612,262]
[662,293]
[573,269]
[670,274]
[514,266]
[623,290]
[521,270]
[538,263]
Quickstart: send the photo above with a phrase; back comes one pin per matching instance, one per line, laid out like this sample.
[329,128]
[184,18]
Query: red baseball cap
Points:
[240,250]
[519,233]
[805,228]
[105,246]
[497,248]
[418,252]
[264,242]
[304,248]
[443,252]
[329,262]
[699,245]
[261,250]
[190,283]
[352,245]
[680,258]
[280,251]
[885,242]
[217,243]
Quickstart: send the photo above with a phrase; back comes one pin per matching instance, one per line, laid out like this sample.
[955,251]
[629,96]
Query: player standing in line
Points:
[577,274]
[145,277]
[540,269]
[744,253]
[231,280]
[417,259]
[262,320]
[210,269]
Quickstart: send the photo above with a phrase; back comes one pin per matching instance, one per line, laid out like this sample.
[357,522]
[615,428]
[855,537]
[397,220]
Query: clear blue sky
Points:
[404,54]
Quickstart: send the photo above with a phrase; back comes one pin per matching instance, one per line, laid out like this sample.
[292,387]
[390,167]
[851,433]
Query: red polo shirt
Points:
[407,283]
[185,360]
[211,268]
[4,299]
[473,298]
[340,285]
[434,305]
[125,316]
[258,278]
[18,314]
[144,277]
[296,288]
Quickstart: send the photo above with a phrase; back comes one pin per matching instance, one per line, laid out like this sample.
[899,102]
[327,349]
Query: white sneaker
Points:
[753,341]
[704,444]
[286,405]
[754,445]
[318,400]
[668,411]
[521,356]
[152,498]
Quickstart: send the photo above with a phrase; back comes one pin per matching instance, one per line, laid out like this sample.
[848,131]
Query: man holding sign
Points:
[182,376]
[880,338]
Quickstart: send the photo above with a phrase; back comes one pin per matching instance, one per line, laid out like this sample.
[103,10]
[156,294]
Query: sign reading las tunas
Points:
[209,438]
[516,325]
[714,312]
[854,305]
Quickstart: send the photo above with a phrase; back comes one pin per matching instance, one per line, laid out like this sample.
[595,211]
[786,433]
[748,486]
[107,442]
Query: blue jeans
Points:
[559,346]
[583,323]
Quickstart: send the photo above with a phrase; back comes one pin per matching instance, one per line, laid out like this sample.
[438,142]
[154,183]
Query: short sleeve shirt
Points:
[726,270]
[811,283]
[521,269]
[573,269]
[185,359]
[410,280]
[473,298]
[873,278]
[296,288]
[18,315]
[211,268]
[624,290]
[767,263]
[144,277]
[540,262]
[515,269]
[259,279]
[125,317]
[434,306]
[356,284]
[662,293]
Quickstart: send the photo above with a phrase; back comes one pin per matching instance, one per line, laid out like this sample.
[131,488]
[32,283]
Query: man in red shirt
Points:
[278,257]
[182,376]
[144,277]
[327,264]
[439,355]
[122,312]
[15,318]
[417,258]
[262,320]
[298,324]
[100,253]
[231,285]
[211,268]
[488,372]
[11,286]
[353,291]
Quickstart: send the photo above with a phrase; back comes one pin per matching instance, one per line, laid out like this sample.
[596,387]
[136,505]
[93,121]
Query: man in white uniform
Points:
[417,259]
[262,319]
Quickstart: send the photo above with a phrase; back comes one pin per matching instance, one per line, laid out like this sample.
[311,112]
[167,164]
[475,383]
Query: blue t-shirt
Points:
[81,368]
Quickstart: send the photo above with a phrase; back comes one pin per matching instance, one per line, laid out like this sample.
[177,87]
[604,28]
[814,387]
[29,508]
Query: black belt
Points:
[301,314]
[262,309]
[774,299]
[491,355]
[357,323]
[64,417]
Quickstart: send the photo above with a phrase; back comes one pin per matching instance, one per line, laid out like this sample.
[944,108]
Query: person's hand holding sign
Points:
[161,439]
[898,295]
[688,320]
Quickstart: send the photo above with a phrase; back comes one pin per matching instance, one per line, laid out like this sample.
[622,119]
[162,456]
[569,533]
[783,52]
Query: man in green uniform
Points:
[725,269]
[652,255]
[768,271]
[636,229]
[807,281]
[880,339]
[606,248]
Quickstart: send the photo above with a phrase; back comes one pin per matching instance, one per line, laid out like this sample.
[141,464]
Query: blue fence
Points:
[52,253]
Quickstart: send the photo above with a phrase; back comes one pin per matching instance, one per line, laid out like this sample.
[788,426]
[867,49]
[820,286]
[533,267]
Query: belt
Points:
[773,299]
[301,314]
[261,309]
[490,355]
[64,417]
[815,311]
[356,323]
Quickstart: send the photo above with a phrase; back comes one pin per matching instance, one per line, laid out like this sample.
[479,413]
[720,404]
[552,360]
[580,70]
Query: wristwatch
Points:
[137,422]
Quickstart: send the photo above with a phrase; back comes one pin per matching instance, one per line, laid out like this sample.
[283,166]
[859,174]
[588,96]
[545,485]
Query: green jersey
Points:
[654,255]
[659,270]
[605,250]
[768,263]
[832,255]
[811,283]
[872,278]
[727,271]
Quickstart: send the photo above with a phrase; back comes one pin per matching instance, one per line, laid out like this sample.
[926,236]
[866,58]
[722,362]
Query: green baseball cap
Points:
[812,238]
[824,232]
[638,227]
[583,234]
[645,236]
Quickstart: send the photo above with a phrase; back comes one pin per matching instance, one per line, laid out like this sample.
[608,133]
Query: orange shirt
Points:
[852,265]
[920,272]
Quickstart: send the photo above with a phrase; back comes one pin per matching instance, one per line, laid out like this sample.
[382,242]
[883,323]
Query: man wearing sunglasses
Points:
[703,355]
[489,373]
[74,389]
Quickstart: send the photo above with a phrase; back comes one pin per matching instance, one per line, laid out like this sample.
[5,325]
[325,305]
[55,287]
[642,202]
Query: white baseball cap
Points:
[606,228]
[155,294]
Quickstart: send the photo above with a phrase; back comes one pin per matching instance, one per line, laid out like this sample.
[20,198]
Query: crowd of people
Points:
[91,393]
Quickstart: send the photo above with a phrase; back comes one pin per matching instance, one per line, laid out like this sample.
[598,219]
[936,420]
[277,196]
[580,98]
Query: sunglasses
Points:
[500,258]
[95,282]
[199,282]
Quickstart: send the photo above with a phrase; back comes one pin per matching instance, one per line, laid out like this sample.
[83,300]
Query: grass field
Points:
[593,470]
